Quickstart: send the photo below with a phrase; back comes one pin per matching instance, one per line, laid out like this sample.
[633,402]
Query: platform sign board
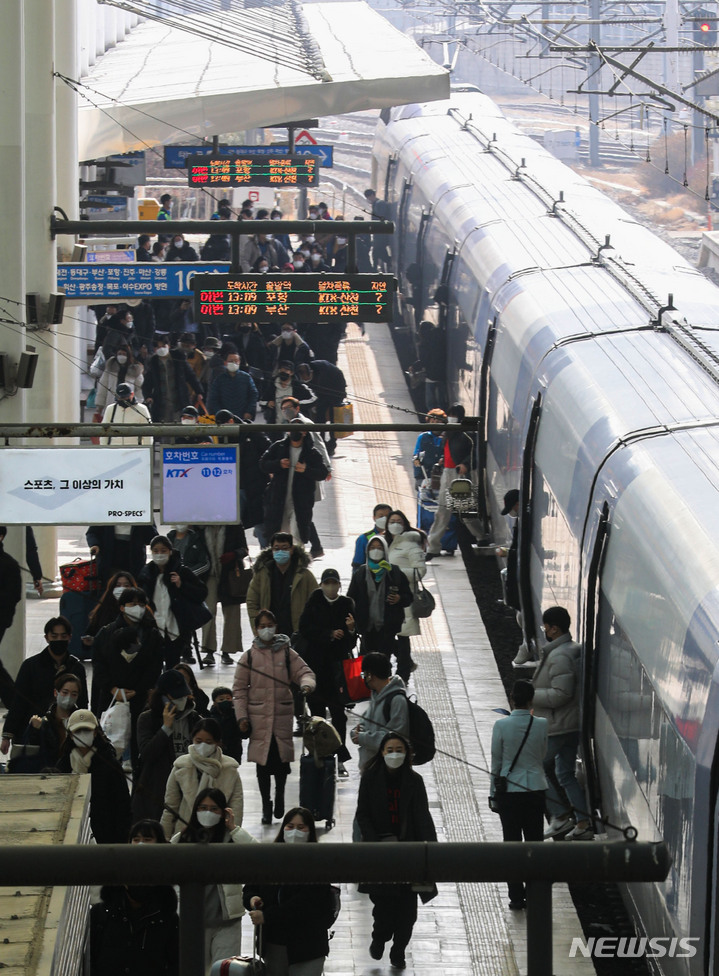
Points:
[294,297]
[100,282]
[175,157]
[200,485]
[275,171]
[76,485]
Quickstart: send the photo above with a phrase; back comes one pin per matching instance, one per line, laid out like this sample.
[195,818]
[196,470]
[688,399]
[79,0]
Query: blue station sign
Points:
[176,156]
[100,282]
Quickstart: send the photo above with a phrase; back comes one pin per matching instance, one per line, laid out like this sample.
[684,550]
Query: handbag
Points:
[238,583]
[357,690]
[500,782]
[116,723]
[80,575]
[423,603]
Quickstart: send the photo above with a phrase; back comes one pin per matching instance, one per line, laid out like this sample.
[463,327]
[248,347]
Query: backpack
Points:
[421,730]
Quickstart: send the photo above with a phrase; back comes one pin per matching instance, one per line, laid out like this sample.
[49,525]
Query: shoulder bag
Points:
[423,603]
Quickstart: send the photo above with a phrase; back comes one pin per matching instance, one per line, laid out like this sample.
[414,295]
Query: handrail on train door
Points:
[525,527]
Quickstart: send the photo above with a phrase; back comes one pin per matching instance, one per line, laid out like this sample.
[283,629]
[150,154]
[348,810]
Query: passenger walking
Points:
[134,928]
[205,766]
[200,699]
[327,625]
[45,736]
[392,806]
[176,596]
[387,709]
[35,681]
[125,410]
[283,383]
[296,467]
[264,707]
[406,550]
[519,745]
[233,390]
[212,822]
[380,514]
[164,732]
[87,750]
[167,377]
[281,582]
[120,368]
[294,918]
[457,454]
[556,698]
[223,712]
[107,608]
[227,549]
[381,593]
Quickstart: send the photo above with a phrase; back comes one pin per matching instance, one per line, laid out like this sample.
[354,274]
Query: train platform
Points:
[468,930]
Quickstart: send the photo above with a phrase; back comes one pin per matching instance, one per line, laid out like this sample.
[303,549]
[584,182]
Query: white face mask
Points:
[287,335]
[121,359]
[341,240]
[134,613]
[315,258]
[207,818]
[66,702]
[117,591]
[395,528]
[179,242]
[453,420]
[266,633]
[232,367]
[205,749]
[160,558]
[162,351]
[380,523]
[188,421]
[394,759]
[180,703]
[331,592]
[181,528]
[84,738]
[296,836]
[298,264]
[263,268]
[376,555]
[309,240]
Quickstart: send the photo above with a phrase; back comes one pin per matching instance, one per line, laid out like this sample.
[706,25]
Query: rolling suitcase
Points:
[343,414]
[317,788]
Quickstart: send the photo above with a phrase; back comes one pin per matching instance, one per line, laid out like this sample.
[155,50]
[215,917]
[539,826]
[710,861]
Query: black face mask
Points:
[59,647]
[285,376]
[296,438]
[124,403]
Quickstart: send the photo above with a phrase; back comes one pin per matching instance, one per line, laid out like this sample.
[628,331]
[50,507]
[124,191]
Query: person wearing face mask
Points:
[180,250]
[457,457]
[510,511]
[262,246]
[317,259]
[34,684]
[290,347]
[298,262]
[253,351]
[125,410]
[190,544]
[195,357]
[205,766]
[295,918]
[120,332]
[296,467]
[406,550]
[291,411]
[212,822]
[135,928]
[381,592]
[87,750]
[281,582]
[235,390]
[176,596]
[223,712]
[283,384]
[380,514]
[119,548]
[107,608]
[120,368]
[164,732]
[264,706]
[327,624]
[127,661]
[392,805]
[167,378]
[45,737]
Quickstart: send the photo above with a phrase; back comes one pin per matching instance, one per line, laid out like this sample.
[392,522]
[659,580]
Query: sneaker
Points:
[429,556]
[342,771]
[522,656]
[558,827]
[227,660]
[208,659]
[582,831]
[317,553]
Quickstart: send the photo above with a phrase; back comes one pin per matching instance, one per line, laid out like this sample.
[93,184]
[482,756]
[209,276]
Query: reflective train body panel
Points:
[599,396]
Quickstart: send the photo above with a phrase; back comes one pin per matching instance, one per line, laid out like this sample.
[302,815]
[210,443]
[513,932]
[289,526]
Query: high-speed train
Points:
[589,350]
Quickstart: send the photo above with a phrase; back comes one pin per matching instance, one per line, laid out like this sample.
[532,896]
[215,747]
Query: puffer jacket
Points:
[230,894]
[259,592]
[407,552]
[556,685]
[186,780]
[262,694]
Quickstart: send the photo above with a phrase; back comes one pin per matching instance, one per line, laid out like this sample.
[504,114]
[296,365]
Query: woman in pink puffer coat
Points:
[264,706]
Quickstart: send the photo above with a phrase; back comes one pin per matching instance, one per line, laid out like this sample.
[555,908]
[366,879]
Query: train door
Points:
[526,524]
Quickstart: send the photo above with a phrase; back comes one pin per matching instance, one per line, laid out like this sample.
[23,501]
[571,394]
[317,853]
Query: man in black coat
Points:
[35,680]
[167,376]
[296,466]
[10,596]
[329,385]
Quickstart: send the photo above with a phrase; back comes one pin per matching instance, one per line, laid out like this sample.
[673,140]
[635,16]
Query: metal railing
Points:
[192,866]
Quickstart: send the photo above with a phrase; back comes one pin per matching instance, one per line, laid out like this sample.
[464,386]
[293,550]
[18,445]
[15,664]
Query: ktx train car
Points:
[589,349]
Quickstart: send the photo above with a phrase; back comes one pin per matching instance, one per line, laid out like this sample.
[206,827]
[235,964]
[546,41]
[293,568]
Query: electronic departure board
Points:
[293,297]
[281,171]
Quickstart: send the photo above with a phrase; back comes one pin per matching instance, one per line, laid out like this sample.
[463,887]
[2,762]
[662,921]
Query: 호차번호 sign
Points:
[76,485]
[200,485]
[279,171]
[294,297]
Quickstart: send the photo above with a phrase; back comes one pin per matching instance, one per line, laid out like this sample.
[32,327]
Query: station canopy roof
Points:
[224,66]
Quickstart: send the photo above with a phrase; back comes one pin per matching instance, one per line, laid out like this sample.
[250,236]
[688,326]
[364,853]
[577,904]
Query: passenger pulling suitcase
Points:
[317,788]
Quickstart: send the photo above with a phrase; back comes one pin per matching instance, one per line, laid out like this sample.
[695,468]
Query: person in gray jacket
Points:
[376,721]
[520,761]
[556,698]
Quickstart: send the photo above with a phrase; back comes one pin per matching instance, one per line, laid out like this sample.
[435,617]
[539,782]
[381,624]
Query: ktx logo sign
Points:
[178,472]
